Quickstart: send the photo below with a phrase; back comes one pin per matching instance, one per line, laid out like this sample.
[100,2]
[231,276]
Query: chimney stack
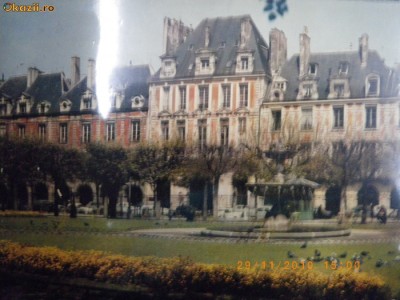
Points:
[278,49]
[304,58]
[91,73]
[175,33]
[245,32]
[33,73]
[207,37]
[363,49]
[75,70]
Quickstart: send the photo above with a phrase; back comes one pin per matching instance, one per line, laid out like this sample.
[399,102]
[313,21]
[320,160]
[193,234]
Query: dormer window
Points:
[168,67]
[343,68]
[312,69]
[3,109]
[137,101]
[88,101]
[65,106]
[244,61]
[43,107]
[307,91]
[22,108]
[339,90]
[205,63]
[372,86]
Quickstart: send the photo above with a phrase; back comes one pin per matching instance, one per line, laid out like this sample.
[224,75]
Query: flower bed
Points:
[171,275]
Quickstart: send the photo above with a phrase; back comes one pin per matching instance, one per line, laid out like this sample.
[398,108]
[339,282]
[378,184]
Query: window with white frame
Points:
[204,63]
[242,126]
[202,130]
[372,86]
[370,117]
[226,96]
[307,91]
[182,98]
[181,127]
[243,95]
[3,109]
[338,89]
[110,131]
[306,118]
[224,126]
[276,120]
[244,63]
[86,133]
[87,103]
[42,132]
[22,108]
[203,97]
[63,133]
[343,68]
[21,131]
[165,130]
[135,131]
[312,69]
[338,117]
[43,107]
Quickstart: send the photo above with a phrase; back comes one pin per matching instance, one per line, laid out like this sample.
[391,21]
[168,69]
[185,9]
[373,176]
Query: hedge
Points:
[171,275]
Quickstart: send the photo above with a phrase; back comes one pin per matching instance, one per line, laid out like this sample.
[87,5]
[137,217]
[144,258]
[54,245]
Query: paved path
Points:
[358,236]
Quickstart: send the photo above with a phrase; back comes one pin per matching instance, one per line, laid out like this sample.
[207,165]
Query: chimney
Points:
[91,74]
[304,58]
[277,49]
[245,32]
[33,73]
[207,37]
[75,70]
[175,32]
[363,49]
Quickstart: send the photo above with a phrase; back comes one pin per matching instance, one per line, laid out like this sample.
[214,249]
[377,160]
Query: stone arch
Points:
[22,196]
[40,191]
[136,198]
[332,199]
[368,195]
[4,196]
[395,198]
[85,194]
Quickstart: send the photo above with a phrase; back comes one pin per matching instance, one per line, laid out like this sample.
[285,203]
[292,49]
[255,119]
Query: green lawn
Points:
[45,232]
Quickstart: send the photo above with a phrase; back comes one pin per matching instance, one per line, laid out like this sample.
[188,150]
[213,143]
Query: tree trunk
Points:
[14,195]
[157,206]
[205,201]
[112,206]
[343,203]
[215,197]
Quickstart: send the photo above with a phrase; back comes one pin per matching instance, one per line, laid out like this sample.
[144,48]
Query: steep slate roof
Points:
[74,95]
[222,29]
[132,80]
[328,65]
[47,87]
[13,87]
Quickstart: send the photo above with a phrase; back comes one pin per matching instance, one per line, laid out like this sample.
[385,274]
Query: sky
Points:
[48,40]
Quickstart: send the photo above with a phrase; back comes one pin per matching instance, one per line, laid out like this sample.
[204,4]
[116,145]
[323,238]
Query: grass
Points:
[199,251]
